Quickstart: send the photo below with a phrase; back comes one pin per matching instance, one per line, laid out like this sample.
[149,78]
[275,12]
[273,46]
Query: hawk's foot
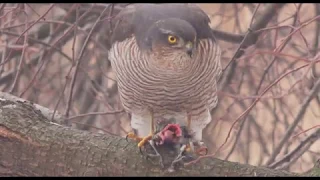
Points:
[133,136]
[156,153]
[200,149]
[142,143]
[197,148]
[181,156]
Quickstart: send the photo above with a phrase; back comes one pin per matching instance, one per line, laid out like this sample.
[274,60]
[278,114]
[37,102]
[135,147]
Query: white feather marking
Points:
[198,125]
[141,123]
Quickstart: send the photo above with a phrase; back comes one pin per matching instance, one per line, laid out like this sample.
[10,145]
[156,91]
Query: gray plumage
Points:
[157,77]
[136,19]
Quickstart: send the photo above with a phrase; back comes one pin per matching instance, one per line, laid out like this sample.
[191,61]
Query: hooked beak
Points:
[189,48]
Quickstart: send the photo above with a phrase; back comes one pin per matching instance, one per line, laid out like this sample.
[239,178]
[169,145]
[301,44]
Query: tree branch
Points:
[297,119]
[249,39]
[31,145]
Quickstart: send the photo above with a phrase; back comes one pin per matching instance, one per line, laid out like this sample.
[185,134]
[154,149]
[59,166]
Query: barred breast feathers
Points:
[140,83]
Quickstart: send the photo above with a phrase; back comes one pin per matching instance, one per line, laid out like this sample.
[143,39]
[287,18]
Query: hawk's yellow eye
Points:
[172,39]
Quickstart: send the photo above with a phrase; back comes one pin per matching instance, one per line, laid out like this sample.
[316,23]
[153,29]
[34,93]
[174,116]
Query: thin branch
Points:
[250,38]
[242,115]
[25,44]
[2,7]
[79,60]
[297,119]
[29,27]
[317,126]
[277,50]
[289,157]
[228,37]
[73,61]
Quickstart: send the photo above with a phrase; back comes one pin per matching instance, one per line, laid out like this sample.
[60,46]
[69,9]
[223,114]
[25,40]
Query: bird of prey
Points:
[167,64]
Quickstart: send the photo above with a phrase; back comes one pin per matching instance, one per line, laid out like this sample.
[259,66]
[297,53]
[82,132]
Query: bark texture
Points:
[31,145]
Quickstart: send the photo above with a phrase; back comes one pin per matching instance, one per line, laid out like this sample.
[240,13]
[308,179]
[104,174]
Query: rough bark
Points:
[31,145]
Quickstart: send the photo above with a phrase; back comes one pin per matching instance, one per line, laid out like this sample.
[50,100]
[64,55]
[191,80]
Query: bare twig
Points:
[2,7]
[79,60]
[6,60]
[73,61]
[253,104]
[297,119]
[289,157]
[25,44]
[250,39]
[228,37]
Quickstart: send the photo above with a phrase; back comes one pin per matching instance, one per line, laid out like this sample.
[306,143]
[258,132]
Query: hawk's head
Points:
[171,42]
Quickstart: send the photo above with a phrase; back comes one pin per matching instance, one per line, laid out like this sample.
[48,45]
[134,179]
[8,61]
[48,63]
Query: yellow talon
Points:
[188,149]
[131,135]
[144,140]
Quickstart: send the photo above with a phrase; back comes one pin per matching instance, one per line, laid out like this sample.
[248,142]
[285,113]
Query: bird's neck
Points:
[179,62]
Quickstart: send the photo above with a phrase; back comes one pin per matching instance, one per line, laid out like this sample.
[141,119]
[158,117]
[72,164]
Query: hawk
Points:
[167,64]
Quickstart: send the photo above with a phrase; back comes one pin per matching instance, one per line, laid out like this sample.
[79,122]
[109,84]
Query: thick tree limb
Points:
[33,146]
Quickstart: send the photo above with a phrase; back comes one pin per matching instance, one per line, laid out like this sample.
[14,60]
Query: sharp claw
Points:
[140,149]
[151,142]
[201,149]
[206,150]
[157,154]
[176,161]
[144,140]
[191,146]
[131,135]
[179,158]
[197,148]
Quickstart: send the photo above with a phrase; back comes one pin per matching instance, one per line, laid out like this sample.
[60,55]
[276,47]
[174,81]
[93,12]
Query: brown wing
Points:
[123,24]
